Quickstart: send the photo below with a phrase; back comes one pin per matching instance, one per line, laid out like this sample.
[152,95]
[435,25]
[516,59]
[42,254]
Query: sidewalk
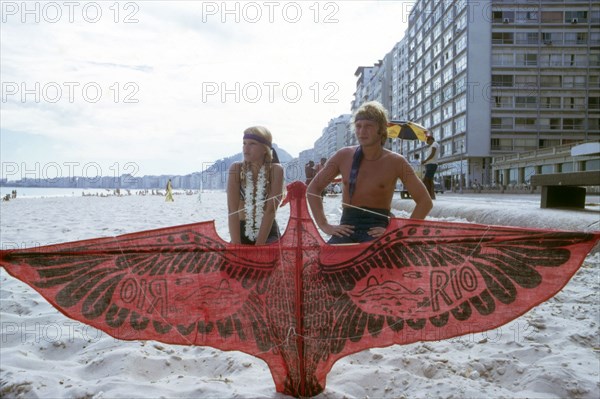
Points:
[521,210]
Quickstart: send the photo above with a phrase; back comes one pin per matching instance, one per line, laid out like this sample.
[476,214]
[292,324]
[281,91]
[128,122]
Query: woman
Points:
[254,190]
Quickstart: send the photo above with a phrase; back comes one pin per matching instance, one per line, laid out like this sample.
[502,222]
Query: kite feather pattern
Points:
[300,304]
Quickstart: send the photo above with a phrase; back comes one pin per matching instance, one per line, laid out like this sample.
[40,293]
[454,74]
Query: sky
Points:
[157,87]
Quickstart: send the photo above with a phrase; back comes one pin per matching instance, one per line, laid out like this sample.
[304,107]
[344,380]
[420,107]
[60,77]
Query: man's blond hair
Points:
[374,111]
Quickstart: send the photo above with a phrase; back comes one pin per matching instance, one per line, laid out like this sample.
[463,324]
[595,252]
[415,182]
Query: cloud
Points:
[178,86]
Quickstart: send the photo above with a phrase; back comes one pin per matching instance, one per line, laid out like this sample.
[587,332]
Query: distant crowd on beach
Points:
[12,195]
[118,193]
[114,193]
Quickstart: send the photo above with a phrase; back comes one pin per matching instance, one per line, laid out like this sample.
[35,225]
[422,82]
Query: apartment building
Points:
[491,78]
[333,137]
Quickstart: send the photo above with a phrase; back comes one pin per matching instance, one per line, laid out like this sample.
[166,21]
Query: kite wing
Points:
[180,285]
[301,304]
[426,281]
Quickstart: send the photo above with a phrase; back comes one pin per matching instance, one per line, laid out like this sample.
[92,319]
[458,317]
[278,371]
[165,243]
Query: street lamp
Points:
[460,186]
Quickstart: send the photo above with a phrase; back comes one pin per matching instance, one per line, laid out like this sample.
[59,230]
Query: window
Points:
[461,43]
[526,16]
[460,85]
[502,38]
[525,144]
[576,38]
[448,111]
[448,92]
[572,123]
[447,129]
[437,99]
[527,38]
[552,16]
[502,123]
[502,80]
[576,60]
[576,16]
[461,22]
[437,31]
[502,102]
[550,102]
[554,59]
[592,164]
[546,169]
[501,144]
[460,104]
[552,37]
[503,16]
[566,167]
[525,123]
[573,81]
[460,124]
[525,102]
[426,107]
[574,102]
[448,37]
[503,59]
[554,123]
[437,49]
[550,81]
[448,73]
[526,59]
[461,64]
[526,81]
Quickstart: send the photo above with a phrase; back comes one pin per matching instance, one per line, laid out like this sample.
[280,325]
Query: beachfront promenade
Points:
[522,210]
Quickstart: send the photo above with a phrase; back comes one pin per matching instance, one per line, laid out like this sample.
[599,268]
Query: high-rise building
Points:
[498,77]
[333,137]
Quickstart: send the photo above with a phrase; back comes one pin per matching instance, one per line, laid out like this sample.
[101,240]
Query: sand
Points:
[553,351]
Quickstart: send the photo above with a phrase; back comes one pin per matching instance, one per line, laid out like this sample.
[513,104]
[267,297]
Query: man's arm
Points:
[315,201]
[314,190]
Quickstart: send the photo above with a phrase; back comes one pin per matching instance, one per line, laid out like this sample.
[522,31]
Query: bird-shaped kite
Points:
[301,304]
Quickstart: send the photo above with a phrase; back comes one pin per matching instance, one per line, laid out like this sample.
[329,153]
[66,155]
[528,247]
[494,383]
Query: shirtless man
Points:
[369,173]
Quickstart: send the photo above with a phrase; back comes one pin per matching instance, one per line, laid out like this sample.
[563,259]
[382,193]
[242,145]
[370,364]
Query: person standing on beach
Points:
[321,165]
[309,171]
[169,197]
[369,173]
[431,165]
[255,190]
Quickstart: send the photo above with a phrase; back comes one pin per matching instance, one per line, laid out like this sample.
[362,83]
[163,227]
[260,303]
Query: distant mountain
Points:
[215,177]
[212,178]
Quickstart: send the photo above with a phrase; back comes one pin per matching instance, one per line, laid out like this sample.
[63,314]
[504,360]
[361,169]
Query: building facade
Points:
[491,78]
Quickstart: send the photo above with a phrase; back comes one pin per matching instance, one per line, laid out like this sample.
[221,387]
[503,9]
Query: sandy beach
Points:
[553,351]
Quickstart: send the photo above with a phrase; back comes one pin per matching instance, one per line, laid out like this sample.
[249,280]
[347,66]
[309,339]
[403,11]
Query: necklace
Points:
[255,198]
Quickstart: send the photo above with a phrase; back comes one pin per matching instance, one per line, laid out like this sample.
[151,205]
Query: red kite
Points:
[300,304]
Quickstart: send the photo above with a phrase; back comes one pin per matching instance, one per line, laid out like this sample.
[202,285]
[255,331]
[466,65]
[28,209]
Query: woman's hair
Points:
[374,111]
[264,137]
